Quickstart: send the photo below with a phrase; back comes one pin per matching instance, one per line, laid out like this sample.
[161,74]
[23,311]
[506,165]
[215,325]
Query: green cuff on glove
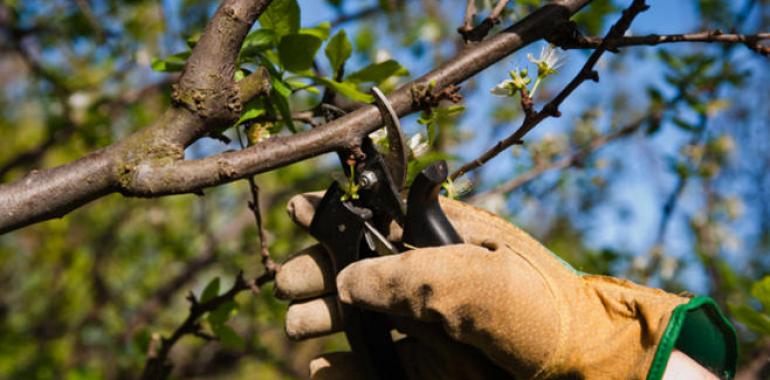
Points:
[700,330]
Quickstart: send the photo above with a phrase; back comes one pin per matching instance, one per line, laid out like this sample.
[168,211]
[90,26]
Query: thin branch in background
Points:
[363,13]
[157,365]
[552,108]
[752,41]
[163,294]
[655,254]
[264,251]
[573,159]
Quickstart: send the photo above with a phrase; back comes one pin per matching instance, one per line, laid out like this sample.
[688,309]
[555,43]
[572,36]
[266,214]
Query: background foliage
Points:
[680,201]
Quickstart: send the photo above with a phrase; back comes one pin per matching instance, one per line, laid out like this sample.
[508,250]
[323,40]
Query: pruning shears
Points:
[355,226]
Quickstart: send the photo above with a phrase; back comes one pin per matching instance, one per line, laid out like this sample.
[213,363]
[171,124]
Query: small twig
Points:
[552,108]
[470,12]
[478,32]
[264,251]
[752,41]
[498,10]
[363,13]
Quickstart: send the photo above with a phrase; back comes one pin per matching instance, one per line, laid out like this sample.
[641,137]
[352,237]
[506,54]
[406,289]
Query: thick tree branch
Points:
[752,41]
[214,100]
[150,163]
[207,86]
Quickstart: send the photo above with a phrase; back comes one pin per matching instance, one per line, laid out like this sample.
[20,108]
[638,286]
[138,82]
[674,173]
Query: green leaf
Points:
[296,51]
[229,337]
[279,86]
[346,89]
[321,30]
[171,63]
[282,104]
[193,40]
[210,291]
[258,40]
[754,320]
[378,72]
[282,16]
[761,291]
[452,110]
[296,85]
[220,315]
[252,112]
[338,50]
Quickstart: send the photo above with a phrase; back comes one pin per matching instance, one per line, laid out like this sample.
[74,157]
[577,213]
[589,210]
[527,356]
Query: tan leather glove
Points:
[502,293]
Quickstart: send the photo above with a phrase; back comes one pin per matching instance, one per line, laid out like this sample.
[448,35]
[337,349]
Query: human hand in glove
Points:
[500,305]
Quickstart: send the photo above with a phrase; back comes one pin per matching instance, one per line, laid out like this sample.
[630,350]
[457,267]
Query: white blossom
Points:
[508,87]
[503,88]
[548,61]
[418,144]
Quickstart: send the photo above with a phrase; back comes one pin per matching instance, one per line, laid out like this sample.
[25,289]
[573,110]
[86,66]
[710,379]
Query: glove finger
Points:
[301,207]
[336,366]
[305,275]
[313,318]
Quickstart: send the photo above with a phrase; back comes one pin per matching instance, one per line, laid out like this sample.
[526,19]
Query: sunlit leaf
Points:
[321,30]
[338,50]
[251,112]
[346,89]
[282,16]
[378,72]
[171,63]
[258,40]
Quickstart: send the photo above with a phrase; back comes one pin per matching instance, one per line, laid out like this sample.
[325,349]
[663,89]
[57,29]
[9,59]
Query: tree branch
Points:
[752,41]
[552,108]
[149,163]
[207,82]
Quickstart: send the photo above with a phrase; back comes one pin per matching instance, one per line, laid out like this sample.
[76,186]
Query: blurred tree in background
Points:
[658,173]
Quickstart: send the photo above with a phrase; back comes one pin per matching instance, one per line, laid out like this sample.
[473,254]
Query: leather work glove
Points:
[500,305]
